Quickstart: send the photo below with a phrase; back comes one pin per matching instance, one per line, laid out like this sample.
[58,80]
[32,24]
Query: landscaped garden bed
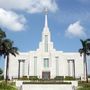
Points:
[61,78]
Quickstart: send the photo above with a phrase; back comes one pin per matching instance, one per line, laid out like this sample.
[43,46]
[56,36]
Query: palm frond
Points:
[85,46]
[2,34]
[83,43]
[81,51]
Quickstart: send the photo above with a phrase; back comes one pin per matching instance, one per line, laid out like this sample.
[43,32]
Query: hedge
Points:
[59,78]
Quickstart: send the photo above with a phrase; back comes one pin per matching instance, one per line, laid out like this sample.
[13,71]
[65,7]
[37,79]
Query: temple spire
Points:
[46,20]
[46,37]
[46,28]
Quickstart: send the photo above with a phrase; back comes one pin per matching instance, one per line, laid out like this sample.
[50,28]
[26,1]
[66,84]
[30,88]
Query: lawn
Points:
[84,86]
[11,86]
[8,86]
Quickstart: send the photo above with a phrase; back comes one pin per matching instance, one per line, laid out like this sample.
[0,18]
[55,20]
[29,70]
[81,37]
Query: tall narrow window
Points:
[46,43]
[46,62]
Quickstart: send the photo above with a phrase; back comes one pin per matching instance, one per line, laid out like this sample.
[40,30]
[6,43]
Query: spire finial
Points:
[46,10]
[46,21]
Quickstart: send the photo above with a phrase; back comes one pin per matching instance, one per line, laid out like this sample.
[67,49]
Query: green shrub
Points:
[46,82]
[69,78]
[33,78]
[59,78]
[23,78]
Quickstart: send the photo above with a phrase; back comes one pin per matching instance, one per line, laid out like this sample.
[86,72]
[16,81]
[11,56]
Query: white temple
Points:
[46,62]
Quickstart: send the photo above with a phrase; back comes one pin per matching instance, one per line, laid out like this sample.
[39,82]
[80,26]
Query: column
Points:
[28,69]
[23,67]
[68,68]
[35,66]
[18,68]
[73,68]
[57,66]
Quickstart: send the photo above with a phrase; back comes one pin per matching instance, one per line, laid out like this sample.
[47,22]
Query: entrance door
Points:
[46,75]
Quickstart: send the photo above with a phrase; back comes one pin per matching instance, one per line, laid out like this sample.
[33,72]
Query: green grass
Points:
[84,86]
[8,86]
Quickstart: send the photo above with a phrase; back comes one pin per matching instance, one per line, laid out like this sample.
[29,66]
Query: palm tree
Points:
[88,45]
[1,71]
[2,37]
[2,34]
[85,51]
[8,49]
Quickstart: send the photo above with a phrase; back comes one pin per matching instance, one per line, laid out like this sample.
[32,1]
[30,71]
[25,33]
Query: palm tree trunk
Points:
[7,68]
[85,69]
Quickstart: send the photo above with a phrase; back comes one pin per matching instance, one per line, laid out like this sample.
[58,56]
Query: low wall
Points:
[47,87]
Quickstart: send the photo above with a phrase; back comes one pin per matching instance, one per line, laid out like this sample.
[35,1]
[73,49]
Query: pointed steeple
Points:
[46,44]
[46,20]
[46,28]
[46,31]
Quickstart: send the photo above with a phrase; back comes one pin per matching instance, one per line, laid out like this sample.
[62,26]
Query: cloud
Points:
[76,30]
[31,6]
[39,5]
[11,20]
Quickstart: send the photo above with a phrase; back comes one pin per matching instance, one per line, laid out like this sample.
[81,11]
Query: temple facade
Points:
[46,62]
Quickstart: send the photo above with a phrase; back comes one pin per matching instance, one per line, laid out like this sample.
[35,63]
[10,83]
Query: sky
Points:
[23,22]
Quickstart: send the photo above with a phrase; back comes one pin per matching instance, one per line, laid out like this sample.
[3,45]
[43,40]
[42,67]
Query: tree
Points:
[85,51]
[1,71]
[8,49]
[2,37]
[2,34]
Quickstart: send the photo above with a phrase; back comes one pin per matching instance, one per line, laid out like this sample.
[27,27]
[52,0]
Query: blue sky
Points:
[23,22]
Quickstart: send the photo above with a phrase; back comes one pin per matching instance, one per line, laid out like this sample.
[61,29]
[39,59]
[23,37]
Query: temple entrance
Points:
[45,75]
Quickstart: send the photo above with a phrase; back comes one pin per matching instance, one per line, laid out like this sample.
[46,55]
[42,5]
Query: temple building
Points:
[46,62]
